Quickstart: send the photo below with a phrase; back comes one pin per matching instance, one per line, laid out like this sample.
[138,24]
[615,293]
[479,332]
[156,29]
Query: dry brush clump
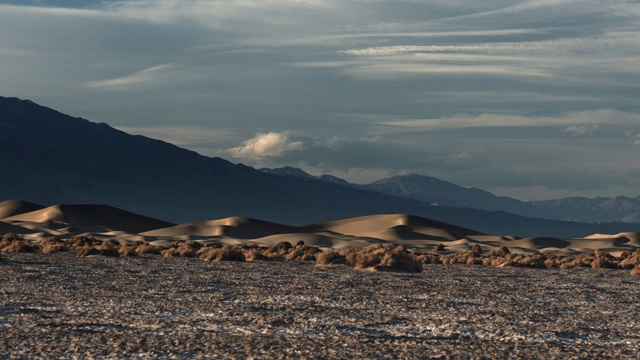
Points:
[187,248]
[278,251]
[79,241]
[303,252]
[225,253]
[629,260]
[377,257]
[146,248]
[428,258]
[254,252]
[440,247]
[52,245]
[105,248]
[15,243]
[330,257]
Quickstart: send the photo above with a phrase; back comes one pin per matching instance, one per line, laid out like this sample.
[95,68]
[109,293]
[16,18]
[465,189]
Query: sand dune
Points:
[233,227]
[400,225]
[16,207]
[415,233]
[86,218]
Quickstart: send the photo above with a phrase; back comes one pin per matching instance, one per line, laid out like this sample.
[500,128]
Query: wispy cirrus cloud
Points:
[579,122]
[133,81]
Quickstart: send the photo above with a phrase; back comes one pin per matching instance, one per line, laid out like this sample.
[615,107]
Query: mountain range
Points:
[444,193]
[47,157]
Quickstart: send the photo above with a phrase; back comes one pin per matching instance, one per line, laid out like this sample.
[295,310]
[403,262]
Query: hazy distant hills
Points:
[430,189]
[444,193]
[50,158]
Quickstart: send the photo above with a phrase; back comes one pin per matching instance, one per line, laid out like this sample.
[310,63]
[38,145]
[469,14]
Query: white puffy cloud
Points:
[265,145]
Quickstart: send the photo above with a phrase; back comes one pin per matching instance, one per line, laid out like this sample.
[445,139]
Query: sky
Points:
[529,99]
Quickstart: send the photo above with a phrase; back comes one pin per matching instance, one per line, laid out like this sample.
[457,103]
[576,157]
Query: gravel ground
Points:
[61,306]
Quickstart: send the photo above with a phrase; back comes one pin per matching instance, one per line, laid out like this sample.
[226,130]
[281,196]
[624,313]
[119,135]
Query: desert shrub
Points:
[330,257]
[502,251]
[476,250]
[110,243]
[351,254]
[501,261]
[15,243]
[551,262]
[187,248]
[625,255]
[582,260]
[369,257]
[11,242]
[107,248]
[303,252]
[254,253]
[169,252]
[53,245]
[127,250]
[635,271]
[387,258]
[427,258]
[472,260]
[146,248]
[461,257]
[83,240]
[440,247]
[226,253]
[630,262]
[535,261]
[399,260]
[20,246]
[278,251]
[604,260]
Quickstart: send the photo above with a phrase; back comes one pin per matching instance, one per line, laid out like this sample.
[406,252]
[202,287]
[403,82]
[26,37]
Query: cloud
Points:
[344,154]
[265,145]
[133,81]
[579,130]
[578,122]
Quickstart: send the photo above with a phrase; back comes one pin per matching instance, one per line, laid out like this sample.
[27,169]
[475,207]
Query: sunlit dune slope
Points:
[88,218]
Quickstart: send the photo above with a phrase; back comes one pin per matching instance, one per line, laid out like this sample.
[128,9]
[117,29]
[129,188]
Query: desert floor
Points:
[61,306]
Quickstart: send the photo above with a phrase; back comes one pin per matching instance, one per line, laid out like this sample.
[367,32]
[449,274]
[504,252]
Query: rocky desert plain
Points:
[93,281]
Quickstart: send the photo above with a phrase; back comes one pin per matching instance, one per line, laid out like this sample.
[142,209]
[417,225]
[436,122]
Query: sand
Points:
[59,306]
[417,234]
